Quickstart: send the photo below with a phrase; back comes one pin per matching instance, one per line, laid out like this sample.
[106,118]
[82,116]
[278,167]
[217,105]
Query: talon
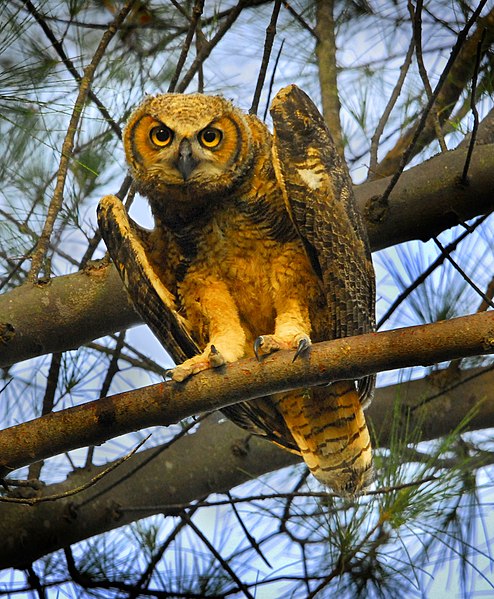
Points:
[257,346]
[215,358]
[303,346]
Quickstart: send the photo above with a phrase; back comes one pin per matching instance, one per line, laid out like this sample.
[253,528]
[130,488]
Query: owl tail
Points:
[328,425]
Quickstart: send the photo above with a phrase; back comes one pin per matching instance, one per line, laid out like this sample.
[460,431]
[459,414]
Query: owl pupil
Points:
[209,136]
[162,134]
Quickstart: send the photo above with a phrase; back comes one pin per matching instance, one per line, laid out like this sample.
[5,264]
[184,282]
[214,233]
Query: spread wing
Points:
[319,197]
[126,243]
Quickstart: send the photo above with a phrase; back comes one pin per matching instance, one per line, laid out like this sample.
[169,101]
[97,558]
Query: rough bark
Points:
[428,198]
[167,403]
[72,310]
[216,458]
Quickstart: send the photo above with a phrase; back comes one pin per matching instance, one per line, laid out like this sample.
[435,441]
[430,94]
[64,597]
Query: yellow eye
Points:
[210,137]
[161,136]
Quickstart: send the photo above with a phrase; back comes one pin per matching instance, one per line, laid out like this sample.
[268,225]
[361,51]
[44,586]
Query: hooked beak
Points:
[186,162]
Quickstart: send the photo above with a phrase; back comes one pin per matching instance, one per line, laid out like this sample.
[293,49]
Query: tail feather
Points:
[328,425]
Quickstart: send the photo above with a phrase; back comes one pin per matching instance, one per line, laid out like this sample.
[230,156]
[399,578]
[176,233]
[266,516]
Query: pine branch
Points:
[167,403]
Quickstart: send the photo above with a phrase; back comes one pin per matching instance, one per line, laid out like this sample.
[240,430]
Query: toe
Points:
[216,359]
[257,346]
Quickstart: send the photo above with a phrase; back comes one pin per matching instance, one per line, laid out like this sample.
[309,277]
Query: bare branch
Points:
[326,58]
[196,15]
[167,403]
[268,45]
[475,112]
[389,107]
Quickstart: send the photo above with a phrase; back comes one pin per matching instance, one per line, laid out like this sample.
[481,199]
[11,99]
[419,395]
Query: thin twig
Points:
[145,577]
[300,19]
[429,270]
[253,543]
[105,387]
[416,17]
[224,563]
[271,81]
[76,490]
[207,47]
[68,144]
[196,15]
[389,107]
[268,46]
[420,126]
[457,267]
[58,47]
[143,362]
[475,112]
[48,403]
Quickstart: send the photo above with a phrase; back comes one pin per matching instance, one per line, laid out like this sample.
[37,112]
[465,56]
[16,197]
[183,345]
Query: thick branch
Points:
[78,308]
[167,403]
[218,457]
[428,198]
[63,314]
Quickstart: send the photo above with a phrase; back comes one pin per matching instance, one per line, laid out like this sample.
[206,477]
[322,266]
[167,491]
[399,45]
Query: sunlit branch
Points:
[167,403]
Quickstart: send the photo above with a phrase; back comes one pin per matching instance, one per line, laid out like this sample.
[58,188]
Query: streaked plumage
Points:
[254,238]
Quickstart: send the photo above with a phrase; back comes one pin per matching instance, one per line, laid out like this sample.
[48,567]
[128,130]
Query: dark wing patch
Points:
[126,243]
[319,197]
[260,417]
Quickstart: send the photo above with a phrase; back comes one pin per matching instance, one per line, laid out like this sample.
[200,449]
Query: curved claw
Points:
[303,346]
[257,346]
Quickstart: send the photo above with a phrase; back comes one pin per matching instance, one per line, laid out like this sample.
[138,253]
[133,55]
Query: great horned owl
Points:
[257,246]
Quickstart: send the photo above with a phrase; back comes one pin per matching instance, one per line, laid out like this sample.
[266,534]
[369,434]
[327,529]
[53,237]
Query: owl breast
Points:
[251,265]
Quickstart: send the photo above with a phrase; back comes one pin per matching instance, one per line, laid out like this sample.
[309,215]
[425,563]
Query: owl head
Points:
[182,148]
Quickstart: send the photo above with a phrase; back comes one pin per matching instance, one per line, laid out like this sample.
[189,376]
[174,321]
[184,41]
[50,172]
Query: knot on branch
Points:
[376,209]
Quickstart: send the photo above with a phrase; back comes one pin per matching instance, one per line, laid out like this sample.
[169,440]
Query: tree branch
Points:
[327,71]
[445,96]
[63,314]
[428,198]
[167,403]
[75,309]
[216,458]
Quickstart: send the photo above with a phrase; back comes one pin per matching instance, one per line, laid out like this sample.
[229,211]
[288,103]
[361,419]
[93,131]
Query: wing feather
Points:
[126,243]
[319,198]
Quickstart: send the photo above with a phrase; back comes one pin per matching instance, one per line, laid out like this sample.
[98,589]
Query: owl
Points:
[257,247]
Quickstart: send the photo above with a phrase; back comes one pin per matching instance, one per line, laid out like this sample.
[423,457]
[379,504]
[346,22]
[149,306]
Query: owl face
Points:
[184,147]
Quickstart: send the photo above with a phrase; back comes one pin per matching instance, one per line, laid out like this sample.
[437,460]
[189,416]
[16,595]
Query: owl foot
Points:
[267,344]
[211,358]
